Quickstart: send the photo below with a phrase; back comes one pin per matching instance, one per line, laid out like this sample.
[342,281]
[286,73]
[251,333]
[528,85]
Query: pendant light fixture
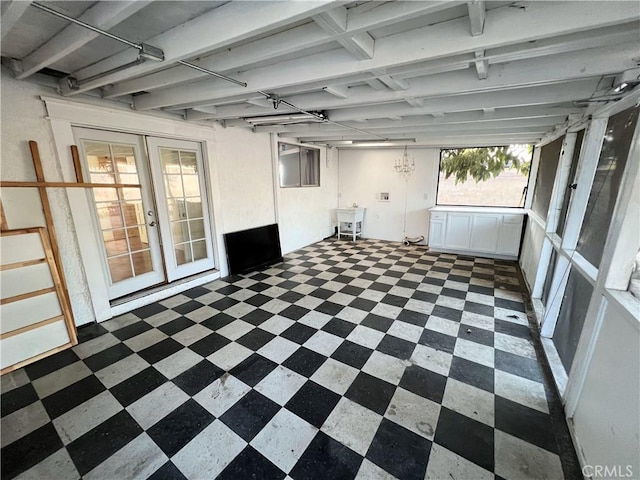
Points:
[405,165]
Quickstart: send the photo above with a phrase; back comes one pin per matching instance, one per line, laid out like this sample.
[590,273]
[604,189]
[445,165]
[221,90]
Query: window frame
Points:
[610,278]
[300,168]
[526,194]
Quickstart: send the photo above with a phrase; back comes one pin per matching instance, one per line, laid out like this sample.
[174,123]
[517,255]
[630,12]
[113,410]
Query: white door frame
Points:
[63,115]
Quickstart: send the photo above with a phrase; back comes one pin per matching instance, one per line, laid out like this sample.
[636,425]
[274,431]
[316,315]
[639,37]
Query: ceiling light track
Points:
[146,51]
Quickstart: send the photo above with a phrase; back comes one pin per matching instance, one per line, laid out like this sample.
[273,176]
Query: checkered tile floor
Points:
[366,360]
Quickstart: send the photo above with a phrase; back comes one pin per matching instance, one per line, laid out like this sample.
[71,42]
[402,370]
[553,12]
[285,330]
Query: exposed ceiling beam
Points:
[540,71]
[437,131]
[395,84]
[476,16]
[452,142]
[425,123]
[104,15]
[461,136]
[340,91]
[255,51]
[270,48]
[12,12]
[519,97]
[260,102]
[598,38]
[476,116]
[279,45]
[508,25]
[415,102]
[204,33]
[482,65]
[360,45]
[375,84]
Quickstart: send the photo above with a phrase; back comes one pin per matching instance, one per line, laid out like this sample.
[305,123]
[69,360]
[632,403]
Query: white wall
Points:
[23,119]
[305,214]
[364,174]
[245,178]
[241,177]
[531,251]
[607,416]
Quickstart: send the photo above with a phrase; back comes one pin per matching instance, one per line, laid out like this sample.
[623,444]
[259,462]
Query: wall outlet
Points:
[384,196]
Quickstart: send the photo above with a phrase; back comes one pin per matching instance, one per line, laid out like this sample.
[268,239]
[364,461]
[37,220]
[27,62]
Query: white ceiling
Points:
[442,72]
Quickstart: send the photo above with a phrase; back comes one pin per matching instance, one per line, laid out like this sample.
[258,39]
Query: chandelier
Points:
[405,165]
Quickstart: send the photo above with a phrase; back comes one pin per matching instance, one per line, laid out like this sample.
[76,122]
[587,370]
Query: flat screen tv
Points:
[253,249]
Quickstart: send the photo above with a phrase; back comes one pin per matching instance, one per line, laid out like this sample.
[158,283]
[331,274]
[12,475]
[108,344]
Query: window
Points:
[549,158]
[573,312]
[299,166]
[487,177]
[606,184]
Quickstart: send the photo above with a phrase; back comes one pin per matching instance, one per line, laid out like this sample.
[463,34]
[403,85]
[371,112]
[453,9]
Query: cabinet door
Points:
[436,233]
[458,231]
[484,233]
[509,241]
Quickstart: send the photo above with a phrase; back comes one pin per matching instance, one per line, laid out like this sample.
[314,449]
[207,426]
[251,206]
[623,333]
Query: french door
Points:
[155,233]
[125,217]
[178,177]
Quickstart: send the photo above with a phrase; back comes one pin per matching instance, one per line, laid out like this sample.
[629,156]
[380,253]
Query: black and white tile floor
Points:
[368,360]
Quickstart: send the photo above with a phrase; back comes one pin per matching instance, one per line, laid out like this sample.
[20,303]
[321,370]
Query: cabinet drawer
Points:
[438,215]
[512,218]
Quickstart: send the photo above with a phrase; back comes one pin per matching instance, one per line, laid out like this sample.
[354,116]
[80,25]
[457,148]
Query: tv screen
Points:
[250,250]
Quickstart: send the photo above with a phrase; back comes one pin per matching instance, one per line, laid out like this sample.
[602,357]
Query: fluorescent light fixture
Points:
[287,119]
[383,143]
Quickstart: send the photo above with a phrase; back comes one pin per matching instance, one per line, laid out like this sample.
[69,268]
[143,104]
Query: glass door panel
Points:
[182,207]
[124,216]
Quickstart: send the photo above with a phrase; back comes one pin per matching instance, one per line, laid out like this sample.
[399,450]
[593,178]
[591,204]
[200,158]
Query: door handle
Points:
[152,224]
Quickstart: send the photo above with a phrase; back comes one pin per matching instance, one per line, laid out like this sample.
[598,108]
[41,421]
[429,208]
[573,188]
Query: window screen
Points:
[606,184]
[549,158]
[553,261]
[573,312]
[570,180]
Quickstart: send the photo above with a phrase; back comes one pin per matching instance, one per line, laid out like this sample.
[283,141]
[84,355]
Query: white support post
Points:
[586,171]
[560,185]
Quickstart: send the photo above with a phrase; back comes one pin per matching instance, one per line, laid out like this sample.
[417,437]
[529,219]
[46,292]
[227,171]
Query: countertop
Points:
[494,210]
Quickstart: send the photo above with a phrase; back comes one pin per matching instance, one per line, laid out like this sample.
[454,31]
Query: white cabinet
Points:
[484,233]
[489,232]
[509,243]
[436,229]
[458,231]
